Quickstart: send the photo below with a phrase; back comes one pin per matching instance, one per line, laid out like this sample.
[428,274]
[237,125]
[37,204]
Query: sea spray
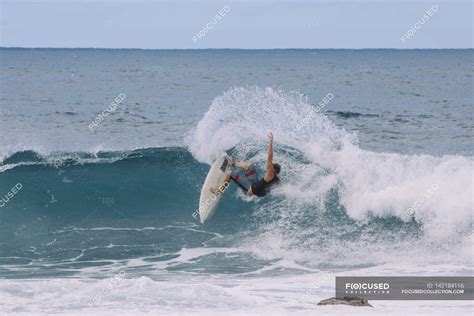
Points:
[323,163]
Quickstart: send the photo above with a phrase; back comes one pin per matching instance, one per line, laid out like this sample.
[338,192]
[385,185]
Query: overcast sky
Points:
[246,24]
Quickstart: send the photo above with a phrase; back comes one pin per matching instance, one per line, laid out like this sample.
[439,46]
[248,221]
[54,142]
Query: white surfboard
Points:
[208,201]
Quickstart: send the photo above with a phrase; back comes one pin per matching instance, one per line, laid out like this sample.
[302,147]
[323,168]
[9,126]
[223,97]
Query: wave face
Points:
[339,206]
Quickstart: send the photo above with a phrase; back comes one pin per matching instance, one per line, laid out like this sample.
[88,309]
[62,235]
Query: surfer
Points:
[249,181]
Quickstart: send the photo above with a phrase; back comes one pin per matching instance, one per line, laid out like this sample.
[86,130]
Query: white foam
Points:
[202,295]
[318,157]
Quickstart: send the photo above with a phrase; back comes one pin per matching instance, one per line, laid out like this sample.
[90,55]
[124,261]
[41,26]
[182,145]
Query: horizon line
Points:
[245,49]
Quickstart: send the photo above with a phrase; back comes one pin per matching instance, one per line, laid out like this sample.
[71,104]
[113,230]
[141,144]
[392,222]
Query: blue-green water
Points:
[377,181]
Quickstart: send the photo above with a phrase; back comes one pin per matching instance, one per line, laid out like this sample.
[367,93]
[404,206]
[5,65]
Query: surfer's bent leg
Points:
[249,192]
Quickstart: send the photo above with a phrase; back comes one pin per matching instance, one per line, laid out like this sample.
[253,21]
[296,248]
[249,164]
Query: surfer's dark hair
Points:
[277,168]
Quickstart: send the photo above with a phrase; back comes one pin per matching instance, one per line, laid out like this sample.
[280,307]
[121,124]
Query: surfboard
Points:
[208,201]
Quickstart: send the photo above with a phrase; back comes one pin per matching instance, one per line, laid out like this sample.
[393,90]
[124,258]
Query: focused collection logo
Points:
[367,288]
[406,287]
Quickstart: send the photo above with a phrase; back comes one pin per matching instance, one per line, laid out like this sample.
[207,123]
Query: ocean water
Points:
[97,198]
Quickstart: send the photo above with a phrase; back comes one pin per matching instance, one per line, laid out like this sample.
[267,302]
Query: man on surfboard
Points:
[248,181]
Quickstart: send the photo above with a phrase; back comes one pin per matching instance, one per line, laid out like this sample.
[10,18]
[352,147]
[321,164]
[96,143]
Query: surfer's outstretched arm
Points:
[270,173]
